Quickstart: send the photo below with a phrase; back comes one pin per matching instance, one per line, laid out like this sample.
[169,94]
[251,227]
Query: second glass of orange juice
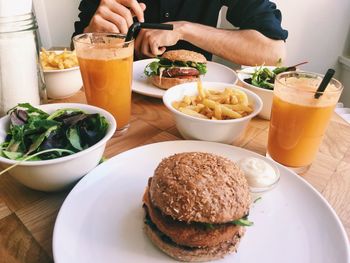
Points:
[298,119]
[105,62]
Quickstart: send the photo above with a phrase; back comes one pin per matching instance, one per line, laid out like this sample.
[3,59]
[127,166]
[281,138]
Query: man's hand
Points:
[151,43]
[115,16]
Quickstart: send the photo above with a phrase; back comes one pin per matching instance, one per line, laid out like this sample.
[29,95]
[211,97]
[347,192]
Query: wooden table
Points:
[27,217]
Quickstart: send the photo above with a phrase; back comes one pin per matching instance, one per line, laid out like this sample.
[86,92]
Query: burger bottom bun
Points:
[166,83]
[195,254]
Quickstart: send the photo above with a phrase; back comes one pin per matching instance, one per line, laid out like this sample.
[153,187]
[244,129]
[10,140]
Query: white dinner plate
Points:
[215,72]
[101,219]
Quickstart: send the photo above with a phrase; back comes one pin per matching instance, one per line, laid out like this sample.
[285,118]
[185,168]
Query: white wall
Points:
[56,21]
[318,31]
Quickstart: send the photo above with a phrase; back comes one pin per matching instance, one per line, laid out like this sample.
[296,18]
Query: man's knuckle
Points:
[124,12]
[113,28]
[102,9]
[148,34]
[96,19]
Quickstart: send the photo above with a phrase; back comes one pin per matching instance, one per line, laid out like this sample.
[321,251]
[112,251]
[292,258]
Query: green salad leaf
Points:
[202,68]
[264,78]
[74,138]
[36,135]
[239,222]
[154,67]
[242,222]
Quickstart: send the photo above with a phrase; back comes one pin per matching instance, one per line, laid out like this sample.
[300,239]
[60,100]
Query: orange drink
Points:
[298,119]
[105,62]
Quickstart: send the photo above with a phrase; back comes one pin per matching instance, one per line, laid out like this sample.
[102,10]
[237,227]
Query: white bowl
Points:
[62,83]
[224,131]
[59,173]
[265,94]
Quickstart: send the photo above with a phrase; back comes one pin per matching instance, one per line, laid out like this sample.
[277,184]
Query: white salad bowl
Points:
[266,95]
[60,173]
[224,131]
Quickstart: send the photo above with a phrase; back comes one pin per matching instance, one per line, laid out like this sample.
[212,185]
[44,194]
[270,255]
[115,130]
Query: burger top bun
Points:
[200,187]
[184,55]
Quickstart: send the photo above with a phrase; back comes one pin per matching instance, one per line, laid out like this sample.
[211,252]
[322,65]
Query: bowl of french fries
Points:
[212,111]
[61,73]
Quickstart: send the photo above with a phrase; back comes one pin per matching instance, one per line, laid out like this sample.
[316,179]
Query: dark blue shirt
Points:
[261,15]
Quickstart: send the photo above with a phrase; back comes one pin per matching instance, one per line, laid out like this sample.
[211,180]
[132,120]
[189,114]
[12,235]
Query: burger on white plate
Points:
[196,206]
[176,67]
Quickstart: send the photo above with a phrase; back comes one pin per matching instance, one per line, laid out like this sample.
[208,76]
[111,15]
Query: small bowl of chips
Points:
[212,111]
[61,73]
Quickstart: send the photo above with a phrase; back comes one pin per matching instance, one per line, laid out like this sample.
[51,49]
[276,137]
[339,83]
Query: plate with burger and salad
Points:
[151,77]
[190,201]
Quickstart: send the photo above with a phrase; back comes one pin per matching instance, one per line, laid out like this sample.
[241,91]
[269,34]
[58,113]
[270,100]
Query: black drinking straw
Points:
[135,27]
[326,79]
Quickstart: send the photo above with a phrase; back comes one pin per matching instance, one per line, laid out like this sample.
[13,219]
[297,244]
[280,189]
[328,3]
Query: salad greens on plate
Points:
[156,66]
[36,135]
[263,77]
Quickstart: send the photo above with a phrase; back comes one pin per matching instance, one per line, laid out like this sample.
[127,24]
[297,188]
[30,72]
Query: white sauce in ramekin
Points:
[258,172]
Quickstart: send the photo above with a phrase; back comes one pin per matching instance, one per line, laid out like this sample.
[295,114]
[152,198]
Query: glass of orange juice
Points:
[105,61]
[299,119]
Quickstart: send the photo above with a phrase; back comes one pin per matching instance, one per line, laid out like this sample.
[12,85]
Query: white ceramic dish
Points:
[62,83]
[101,219]
[265,94]
[262,189]
[224,131]
[215,72]
[57,174]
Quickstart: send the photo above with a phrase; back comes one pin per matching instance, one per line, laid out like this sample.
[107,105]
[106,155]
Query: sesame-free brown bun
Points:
[184,55]
[191,254]
[191,204]
[166,83]
[200,187]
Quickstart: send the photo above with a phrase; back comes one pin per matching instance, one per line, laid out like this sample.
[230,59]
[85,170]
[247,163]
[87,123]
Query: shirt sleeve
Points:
[87,9]
[260,15]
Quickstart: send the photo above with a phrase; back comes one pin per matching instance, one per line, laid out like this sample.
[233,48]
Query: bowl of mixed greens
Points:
[52,146]
[261,79]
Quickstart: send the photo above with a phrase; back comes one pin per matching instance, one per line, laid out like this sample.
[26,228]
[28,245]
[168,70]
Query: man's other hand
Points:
[152,43]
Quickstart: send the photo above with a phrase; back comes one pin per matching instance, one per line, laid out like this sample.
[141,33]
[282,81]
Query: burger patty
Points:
[194,234]
[180,71]
[189,254]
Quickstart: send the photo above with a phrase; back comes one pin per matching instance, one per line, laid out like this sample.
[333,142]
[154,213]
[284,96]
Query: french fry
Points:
[214,104]
[242,97]
[213,92]
[201,93]
[176,104]
[239,107]
[207,112]
[230,113]
[187,100]
[51,60]
[217,112]
[233,99]
[209,103]
[192,113]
